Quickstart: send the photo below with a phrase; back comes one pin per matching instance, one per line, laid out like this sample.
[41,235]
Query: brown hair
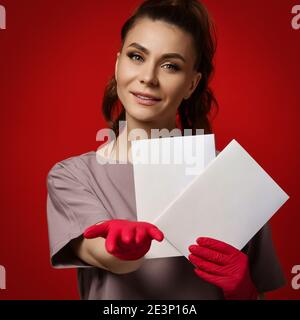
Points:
[192,17]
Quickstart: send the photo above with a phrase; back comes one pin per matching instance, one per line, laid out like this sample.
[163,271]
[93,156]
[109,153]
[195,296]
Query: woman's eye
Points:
[132,55]
[137,57]
[172,66]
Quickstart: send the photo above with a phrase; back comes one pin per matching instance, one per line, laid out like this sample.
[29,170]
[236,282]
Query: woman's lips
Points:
[145,100]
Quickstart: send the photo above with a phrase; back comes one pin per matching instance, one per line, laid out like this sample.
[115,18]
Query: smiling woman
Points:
[159,70]
[161,81]
[167,50]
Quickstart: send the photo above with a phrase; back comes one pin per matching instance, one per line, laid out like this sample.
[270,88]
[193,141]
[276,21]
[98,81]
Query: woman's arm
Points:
[94,253]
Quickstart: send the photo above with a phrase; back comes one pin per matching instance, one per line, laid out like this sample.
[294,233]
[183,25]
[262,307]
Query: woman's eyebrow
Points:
[166,55]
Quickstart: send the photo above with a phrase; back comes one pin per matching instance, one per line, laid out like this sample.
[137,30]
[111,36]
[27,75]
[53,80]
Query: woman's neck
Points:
[133,130]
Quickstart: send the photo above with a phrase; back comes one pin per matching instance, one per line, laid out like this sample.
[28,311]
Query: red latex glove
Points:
[224,266]
[126,240]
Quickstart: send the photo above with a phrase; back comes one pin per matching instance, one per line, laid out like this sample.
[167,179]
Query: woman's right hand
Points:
[126,240]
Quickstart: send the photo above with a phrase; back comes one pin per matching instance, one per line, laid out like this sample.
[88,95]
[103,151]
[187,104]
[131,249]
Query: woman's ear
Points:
[116,65]
[196,78]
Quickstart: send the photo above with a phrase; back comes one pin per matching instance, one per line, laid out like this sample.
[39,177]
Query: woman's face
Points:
[143,67]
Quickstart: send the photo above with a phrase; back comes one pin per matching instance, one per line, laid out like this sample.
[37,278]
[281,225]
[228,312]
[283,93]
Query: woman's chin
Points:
[144,115]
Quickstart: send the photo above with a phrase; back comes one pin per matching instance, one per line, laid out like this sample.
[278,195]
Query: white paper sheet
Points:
[176,161]
[230,201]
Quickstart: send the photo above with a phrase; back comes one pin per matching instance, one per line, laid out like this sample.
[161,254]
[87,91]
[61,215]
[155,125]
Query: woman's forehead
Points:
[159,36]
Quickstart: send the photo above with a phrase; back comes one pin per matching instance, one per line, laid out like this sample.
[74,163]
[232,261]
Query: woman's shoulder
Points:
[74,164]
[87,166]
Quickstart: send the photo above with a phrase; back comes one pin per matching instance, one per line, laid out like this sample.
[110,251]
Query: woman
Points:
[162,75]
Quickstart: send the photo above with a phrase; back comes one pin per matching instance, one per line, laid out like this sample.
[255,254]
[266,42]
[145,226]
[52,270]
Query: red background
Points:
[55,58]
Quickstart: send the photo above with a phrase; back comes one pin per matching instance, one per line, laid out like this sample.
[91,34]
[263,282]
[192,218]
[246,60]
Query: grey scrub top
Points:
[82,192]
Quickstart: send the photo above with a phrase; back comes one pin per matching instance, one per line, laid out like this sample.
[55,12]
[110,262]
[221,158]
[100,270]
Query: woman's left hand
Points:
[224,266]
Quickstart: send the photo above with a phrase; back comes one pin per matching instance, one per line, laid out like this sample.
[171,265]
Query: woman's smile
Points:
[144,100]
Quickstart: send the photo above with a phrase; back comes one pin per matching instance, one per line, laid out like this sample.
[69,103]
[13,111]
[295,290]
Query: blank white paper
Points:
[230,201]
[174,163]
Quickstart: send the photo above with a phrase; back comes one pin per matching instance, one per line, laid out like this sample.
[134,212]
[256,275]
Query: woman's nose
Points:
[148,75]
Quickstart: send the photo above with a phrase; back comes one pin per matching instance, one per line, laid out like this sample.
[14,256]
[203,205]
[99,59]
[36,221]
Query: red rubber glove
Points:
[126,240]
[224,266]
